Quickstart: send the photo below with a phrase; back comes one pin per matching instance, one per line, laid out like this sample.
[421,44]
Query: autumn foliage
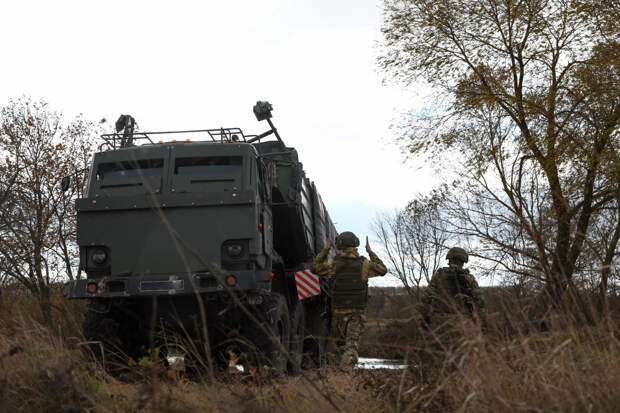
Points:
[37,225]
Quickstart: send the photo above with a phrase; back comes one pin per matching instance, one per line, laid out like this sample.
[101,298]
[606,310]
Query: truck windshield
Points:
[215,166]
[130,169]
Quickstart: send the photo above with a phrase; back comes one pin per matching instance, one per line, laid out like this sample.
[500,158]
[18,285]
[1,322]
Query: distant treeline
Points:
[396,303]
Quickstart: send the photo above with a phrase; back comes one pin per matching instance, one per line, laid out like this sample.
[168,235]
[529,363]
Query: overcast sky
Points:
[198,64]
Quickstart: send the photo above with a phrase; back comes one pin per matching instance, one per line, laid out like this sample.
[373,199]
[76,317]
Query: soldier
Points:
[348,275]
[452,289]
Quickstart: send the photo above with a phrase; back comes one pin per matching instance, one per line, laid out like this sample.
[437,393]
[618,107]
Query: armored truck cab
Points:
[168,210]
[186,233]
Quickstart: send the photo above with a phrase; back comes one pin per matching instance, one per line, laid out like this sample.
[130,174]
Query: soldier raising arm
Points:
[348,274]
[370,268]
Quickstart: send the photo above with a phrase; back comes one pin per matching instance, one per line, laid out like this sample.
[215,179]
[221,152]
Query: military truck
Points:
[201,237]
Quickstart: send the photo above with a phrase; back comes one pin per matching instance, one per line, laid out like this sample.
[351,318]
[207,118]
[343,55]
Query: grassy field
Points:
[460,367]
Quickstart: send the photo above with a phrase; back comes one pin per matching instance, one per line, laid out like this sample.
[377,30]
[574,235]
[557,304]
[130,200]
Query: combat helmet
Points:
[457,253]
[347,239]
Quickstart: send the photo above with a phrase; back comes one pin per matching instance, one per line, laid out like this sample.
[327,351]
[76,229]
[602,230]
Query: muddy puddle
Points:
[367,363]
[363,363]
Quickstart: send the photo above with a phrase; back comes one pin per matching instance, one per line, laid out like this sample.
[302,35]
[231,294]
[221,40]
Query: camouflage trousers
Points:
[346,329]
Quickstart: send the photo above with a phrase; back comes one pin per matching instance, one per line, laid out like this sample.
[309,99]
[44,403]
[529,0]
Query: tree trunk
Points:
[603,303]
[45,304]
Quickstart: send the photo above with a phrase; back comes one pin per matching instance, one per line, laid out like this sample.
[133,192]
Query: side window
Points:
[126,170]
[208,174]
[212,165]
[130,177]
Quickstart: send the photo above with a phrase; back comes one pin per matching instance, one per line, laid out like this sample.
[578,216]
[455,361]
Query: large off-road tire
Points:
[279,327]
[316,339]
[298,330]
[270,340]
[101,334]
[109,341]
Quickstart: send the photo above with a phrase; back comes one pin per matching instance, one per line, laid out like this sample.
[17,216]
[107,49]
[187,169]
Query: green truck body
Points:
[166,229]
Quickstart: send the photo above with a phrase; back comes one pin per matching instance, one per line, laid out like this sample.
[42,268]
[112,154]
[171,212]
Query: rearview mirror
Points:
[64,183]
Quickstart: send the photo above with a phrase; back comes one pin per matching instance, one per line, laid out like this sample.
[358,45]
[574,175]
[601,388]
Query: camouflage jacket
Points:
[326,267]
[452,289]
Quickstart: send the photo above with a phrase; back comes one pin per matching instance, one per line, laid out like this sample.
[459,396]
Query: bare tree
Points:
[39,149]
[413,240]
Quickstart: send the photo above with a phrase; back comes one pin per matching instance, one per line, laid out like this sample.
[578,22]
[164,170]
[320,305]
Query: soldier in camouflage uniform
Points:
[452,290]
[348,275]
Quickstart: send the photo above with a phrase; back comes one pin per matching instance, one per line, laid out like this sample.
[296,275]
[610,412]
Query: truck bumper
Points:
[166,285]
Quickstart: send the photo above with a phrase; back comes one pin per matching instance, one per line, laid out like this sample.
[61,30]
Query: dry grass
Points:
[564,370]
[455,368]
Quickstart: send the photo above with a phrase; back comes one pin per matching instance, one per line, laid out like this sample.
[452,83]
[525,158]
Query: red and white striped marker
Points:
[308,284]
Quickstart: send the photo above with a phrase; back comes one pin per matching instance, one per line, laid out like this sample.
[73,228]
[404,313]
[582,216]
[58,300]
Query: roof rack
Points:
[126,123]
[223,135]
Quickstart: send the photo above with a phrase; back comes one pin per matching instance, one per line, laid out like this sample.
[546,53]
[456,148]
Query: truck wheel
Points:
[316,340]
[278,324]
[105,339]
[280,333]
[268,344]
[298,329]
[101,334]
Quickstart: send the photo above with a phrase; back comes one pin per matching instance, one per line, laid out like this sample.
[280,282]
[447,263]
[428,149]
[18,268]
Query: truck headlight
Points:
[234,250]
[98,256]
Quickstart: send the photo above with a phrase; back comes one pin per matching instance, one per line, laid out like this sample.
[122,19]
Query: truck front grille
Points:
[168,285]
